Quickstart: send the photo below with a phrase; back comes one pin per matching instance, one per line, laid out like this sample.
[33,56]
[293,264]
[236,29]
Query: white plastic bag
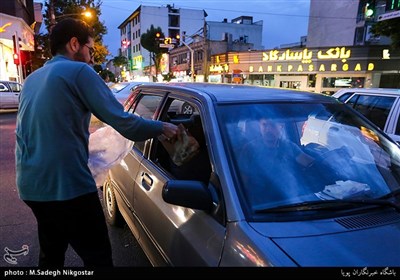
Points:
[106,148]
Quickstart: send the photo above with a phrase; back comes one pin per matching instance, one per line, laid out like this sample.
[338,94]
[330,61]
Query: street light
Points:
[53,18]
[86,14]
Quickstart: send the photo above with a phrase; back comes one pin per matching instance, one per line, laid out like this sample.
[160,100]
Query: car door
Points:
[16,90]
[183,236]
[125,172]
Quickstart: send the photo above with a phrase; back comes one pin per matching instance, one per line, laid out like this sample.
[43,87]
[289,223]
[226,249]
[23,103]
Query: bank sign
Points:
[329,60]
[336,59]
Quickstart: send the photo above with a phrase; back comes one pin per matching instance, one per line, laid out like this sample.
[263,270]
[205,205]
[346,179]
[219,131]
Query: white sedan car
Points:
[122,90]
[380,105]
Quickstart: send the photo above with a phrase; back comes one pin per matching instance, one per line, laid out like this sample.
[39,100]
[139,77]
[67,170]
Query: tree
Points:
[168,77]
[120,61]
[42,51]
[74,8]
[107,75]
[150,41]
[389,28]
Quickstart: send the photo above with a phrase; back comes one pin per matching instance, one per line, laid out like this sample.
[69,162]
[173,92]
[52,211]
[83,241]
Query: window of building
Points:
[359,36]
[199,56]
[174,20]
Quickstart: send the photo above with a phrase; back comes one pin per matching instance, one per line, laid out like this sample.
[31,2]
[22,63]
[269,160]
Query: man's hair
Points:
[66,29]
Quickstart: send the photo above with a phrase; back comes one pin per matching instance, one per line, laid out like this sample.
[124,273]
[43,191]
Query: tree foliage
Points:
[389,28]
[107,75]
[74,9]
[168,77]
[42,51]
[120,61]
[150,42]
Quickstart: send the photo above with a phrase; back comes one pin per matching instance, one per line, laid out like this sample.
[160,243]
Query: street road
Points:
[18,225]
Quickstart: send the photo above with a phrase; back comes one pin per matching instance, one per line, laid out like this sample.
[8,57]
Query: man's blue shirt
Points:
[52,131]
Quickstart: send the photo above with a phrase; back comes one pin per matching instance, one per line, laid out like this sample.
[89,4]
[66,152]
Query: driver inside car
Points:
[281,159]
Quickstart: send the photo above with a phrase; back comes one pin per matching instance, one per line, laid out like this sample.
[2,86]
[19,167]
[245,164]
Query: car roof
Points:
[4,81]
[394,91]
[235,93]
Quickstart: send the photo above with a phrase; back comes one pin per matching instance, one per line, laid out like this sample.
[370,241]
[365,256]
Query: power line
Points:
[256,12]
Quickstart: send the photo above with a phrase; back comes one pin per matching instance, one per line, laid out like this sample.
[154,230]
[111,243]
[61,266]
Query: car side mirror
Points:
[190,194]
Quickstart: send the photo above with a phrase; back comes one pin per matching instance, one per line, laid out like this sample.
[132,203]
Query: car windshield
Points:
[288,153]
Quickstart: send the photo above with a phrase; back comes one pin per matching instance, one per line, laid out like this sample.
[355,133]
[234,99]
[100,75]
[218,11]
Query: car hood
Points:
[330,246]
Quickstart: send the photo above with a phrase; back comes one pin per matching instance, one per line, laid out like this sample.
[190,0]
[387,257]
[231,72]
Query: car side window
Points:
[345,96]
[146,107]
[197,167]
[397,132]
[375,108]
[15,87]
[3,87]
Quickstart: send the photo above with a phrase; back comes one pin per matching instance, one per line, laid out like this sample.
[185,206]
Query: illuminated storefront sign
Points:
[3,28]
[219,68]
[335,59]
[276,55]
[306,55]
[385,54]
[321,67]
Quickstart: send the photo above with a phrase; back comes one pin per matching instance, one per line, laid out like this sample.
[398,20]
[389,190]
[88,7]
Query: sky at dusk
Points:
[284,21]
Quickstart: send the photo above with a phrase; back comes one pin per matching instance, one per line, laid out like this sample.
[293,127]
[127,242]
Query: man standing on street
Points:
[53,177]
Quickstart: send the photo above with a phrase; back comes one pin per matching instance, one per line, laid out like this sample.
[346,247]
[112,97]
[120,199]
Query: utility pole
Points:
[205,57]
[191,60]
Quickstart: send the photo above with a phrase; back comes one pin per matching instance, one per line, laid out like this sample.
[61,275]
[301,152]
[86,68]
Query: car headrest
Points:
[186,119]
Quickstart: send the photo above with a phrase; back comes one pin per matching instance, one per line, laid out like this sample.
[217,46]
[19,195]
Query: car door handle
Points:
[147,181]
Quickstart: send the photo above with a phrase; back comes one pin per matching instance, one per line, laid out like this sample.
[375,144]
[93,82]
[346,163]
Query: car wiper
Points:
[328,204]
[391,194]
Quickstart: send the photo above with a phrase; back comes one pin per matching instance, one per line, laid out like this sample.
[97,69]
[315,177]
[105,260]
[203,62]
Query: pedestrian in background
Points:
[53,177]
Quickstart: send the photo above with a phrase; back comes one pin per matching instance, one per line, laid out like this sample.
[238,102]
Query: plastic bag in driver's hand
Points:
[106,148]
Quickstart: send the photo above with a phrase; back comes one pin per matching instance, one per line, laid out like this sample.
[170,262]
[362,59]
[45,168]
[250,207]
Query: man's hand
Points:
[169,130]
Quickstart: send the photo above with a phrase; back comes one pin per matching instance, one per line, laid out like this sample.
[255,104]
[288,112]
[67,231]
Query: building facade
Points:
[346,23]
[339,52]
[216,41]
[240,30]
[171,20]
[324,70]
[16,38]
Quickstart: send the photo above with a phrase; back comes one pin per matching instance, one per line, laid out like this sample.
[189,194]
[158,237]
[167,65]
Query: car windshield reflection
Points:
[290,153]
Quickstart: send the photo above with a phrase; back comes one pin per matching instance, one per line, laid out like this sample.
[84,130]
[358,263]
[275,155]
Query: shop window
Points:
[390,81]
[311,80]
[343,82]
